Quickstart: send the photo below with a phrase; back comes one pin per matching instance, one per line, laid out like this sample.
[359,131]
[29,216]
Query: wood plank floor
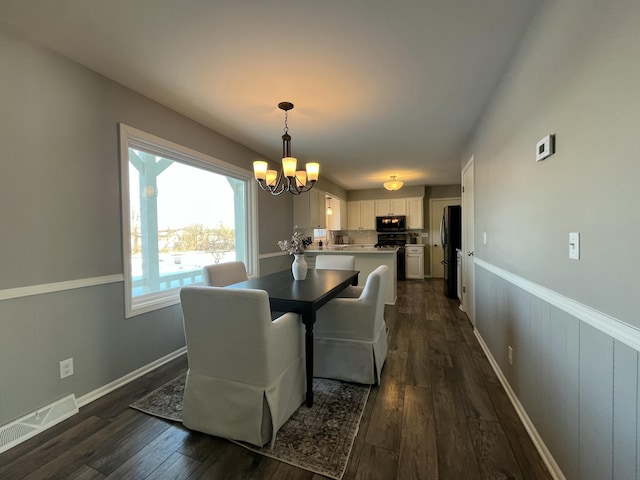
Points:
[439,413]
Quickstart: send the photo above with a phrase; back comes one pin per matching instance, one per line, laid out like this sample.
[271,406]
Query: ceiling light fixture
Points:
[329,211]
[393,184]
[288,179]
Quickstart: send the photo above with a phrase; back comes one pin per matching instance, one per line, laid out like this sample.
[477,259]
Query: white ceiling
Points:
[380,87]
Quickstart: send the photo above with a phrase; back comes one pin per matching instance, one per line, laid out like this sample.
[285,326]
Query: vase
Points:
[299,268]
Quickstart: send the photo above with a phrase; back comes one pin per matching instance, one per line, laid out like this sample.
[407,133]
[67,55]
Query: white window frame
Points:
[134,138]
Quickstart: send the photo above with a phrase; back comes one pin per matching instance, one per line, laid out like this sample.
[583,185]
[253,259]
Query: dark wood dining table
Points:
[304,297]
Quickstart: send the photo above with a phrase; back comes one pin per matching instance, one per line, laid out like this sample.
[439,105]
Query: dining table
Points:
[304,297]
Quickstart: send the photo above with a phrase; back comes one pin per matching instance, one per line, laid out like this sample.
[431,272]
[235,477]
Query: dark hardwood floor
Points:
[439,413]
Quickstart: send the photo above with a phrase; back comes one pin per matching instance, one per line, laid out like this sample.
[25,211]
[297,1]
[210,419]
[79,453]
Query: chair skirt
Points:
[240,411]
[350,360]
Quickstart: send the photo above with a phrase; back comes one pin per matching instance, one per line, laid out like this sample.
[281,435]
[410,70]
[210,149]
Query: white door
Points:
[436,209]
[468,252]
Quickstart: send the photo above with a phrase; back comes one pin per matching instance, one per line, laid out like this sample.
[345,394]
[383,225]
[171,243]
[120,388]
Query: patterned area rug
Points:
[318,439]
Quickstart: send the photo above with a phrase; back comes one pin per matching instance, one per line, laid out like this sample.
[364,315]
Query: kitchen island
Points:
[368,258]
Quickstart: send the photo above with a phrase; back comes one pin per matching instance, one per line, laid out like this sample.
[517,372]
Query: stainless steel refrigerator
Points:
[451,240]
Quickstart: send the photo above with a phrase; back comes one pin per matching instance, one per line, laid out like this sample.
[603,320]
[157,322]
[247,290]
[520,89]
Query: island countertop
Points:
[351,249]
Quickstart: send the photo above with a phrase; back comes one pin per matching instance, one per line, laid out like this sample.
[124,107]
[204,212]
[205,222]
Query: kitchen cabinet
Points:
[361,215]
[414,261]
[344,215]
[415,214]
[395,206]
[309,210]
[337,221]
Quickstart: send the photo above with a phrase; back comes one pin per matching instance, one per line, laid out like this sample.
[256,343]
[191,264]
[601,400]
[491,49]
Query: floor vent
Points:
[26,427]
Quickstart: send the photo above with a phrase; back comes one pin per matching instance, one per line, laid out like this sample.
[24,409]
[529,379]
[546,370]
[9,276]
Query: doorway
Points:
[436,207]
[468,245]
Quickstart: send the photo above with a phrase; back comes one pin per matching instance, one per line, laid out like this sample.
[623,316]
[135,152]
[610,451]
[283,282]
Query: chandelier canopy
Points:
[288,179]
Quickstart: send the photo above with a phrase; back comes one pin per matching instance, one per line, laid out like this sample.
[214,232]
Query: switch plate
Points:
[574,245]
[545,147]
[484,237]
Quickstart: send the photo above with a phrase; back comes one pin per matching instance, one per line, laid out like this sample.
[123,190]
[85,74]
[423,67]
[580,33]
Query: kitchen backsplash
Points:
[359,237]
[367,237]
[353,236]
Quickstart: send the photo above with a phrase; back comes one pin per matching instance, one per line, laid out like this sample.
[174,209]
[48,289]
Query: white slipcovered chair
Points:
[246,372]
[223,274]
[350,334]
[336,262]
[340,262]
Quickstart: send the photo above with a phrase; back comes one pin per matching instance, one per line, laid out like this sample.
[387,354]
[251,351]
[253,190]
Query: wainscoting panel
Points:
[596,403]
[625,406]
[576,383]
[274,262]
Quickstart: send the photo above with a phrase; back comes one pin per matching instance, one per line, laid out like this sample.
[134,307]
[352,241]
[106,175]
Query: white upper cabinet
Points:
[309,210]
[396,206]
[337,220]
[411,207]
[367,214]
[415,214]
[361,215]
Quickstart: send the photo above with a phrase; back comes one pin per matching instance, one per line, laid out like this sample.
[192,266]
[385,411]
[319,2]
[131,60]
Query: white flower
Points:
[296,245]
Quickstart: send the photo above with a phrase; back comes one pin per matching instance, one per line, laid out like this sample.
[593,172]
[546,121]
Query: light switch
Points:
[484,237]
[574,245]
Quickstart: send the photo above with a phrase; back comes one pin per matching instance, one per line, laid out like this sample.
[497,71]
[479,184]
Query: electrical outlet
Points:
[66,368]
[510,354]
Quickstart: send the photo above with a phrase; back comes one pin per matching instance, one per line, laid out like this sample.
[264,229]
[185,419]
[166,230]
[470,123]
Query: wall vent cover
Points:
[26,427]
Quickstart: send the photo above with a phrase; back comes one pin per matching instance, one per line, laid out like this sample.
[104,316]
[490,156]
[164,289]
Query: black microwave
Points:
[395,223]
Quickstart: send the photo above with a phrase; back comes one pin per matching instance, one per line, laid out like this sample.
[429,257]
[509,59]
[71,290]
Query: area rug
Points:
[318,439]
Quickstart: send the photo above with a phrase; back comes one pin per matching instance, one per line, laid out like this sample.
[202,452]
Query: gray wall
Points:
[60,221]
[576,76]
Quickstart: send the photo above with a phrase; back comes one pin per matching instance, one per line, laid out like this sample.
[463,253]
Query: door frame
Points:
[454,201]
[467,304]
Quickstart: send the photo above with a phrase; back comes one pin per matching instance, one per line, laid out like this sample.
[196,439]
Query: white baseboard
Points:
[110,387]
[547,458]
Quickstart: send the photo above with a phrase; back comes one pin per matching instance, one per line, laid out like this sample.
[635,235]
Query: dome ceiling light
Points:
[393,184]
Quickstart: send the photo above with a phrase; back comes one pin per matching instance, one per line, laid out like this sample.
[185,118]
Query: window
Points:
[181,210]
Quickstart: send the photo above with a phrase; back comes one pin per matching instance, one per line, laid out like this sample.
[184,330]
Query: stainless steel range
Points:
[392,240]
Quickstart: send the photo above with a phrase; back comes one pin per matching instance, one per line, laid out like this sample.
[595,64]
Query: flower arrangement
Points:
[296,245]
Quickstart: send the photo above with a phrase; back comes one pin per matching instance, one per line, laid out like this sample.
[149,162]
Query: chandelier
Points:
[393,184]
[288,179]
